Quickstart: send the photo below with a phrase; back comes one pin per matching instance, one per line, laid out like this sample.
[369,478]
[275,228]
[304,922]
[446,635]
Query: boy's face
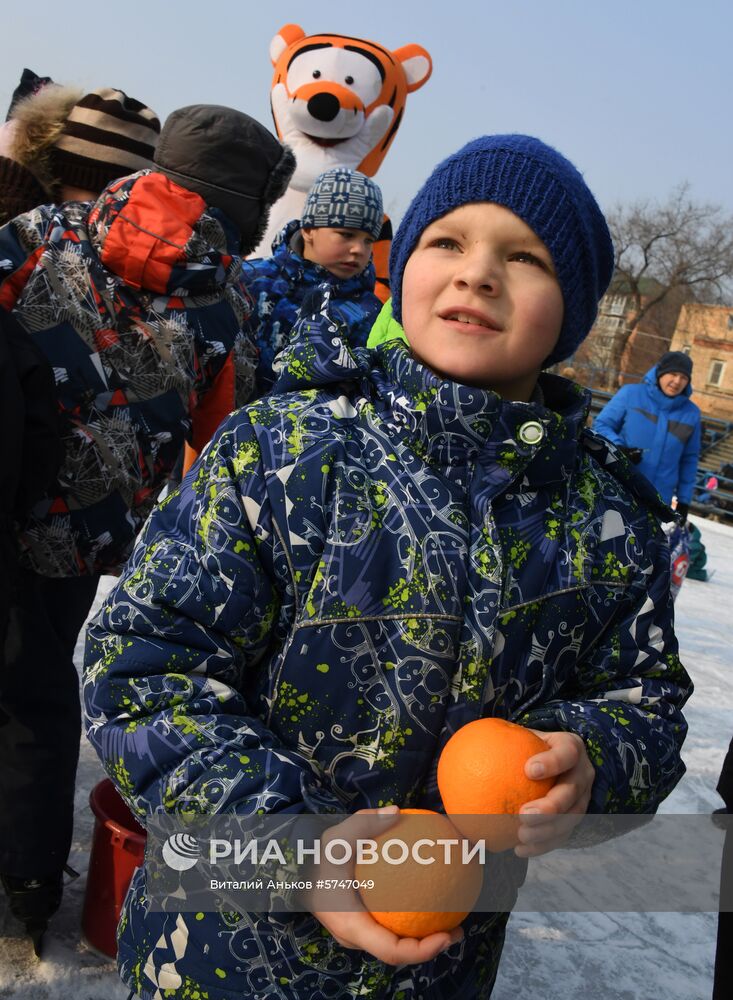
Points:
[480,300]
[344,252]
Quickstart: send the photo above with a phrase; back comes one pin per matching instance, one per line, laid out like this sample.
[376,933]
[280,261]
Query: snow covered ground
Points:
[548,956]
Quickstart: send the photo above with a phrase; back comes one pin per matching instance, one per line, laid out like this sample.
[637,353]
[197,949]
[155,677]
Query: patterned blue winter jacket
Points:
[666,428]
[278,285]
[358,565]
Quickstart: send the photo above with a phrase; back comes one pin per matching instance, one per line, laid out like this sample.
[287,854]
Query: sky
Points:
[635,92]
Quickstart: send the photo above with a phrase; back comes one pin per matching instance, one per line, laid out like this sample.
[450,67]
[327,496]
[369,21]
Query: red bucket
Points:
[118,848]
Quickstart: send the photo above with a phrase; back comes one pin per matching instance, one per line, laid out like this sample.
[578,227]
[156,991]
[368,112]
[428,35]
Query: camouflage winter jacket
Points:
[358,565]
[135,300]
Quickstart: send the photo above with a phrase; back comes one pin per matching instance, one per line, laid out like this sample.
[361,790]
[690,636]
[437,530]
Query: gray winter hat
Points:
[228,158]
[344,199]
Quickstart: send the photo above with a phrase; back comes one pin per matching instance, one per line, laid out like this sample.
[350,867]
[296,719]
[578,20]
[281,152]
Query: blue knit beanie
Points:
[546,191]
[344,199]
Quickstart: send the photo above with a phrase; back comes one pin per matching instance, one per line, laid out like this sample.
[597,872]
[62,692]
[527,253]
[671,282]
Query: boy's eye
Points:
[444,243]
[525,257]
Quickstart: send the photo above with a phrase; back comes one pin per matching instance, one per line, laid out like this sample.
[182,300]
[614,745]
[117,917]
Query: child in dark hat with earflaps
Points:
[396,542]
[134,301]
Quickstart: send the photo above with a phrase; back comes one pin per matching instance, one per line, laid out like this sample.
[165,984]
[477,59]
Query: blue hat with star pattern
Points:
[344,199]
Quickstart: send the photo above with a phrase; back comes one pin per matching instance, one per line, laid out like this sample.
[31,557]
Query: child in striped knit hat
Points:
[62,145]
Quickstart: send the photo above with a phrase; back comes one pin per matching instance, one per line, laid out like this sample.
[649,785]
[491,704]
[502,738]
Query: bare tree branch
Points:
[677,245]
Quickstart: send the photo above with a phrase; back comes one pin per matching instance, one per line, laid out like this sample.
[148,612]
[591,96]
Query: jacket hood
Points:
[651,379]
[40,119]
[160,237]
[304,274]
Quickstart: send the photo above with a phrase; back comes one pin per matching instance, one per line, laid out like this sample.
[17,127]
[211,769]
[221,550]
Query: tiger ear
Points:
[416,63]
[285,37]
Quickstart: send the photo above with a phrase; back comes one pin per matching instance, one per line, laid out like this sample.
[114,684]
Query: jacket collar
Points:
[448,424]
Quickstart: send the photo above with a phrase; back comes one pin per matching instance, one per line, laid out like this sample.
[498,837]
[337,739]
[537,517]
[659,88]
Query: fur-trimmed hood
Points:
[40,120]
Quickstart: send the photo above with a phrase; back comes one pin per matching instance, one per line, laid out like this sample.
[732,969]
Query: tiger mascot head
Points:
[338,101]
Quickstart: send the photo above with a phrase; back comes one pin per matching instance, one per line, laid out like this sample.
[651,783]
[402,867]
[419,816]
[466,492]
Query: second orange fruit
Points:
[438,896]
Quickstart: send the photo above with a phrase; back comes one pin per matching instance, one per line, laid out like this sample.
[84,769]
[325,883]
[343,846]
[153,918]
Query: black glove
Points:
[633,454]
[682,510]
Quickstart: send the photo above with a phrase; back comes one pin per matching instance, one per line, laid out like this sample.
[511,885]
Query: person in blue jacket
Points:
[660,425]
[393,543]
[331,243]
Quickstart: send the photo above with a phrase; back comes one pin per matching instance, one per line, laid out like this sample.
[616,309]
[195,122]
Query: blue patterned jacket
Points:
[358,565]
[278,285]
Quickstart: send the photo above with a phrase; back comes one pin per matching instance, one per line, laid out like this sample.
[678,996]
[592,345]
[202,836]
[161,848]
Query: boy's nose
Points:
[480,273]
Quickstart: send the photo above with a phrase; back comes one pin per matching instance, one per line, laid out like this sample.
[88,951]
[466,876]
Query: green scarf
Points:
[386,328]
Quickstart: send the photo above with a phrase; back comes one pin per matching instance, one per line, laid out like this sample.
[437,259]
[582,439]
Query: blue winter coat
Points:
[278,285]
[358,565]
[666,428]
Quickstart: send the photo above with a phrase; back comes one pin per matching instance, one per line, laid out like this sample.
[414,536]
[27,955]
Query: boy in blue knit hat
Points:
[397,542]
[331,243]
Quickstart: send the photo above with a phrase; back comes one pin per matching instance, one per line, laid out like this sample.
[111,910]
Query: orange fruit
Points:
[482,781]
[439,895]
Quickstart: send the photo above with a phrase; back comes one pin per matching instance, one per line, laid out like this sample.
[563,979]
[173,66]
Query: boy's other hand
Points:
[546,823]
[355,928]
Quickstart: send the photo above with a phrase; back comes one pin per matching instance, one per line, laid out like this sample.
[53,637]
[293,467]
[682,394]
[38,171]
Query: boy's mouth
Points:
[469,317]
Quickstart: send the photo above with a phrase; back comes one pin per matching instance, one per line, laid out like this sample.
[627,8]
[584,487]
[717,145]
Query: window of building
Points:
[686,348]
[715,375]
[614,305]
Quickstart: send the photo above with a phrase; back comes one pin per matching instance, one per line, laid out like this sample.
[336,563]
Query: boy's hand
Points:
[547,823]
[355,928]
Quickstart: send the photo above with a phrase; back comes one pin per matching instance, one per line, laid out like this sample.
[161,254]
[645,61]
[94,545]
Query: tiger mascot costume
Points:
[338,101]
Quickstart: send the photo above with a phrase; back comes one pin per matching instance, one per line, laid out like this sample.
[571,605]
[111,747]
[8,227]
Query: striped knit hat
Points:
[106,135]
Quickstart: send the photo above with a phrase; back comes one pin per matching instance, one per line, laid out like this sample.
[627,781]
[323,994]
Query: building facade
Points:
[706,334]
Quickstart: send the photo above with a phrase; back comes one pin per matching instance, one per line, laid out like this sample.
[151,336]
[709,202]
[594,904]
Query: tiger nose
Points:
[324,107]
